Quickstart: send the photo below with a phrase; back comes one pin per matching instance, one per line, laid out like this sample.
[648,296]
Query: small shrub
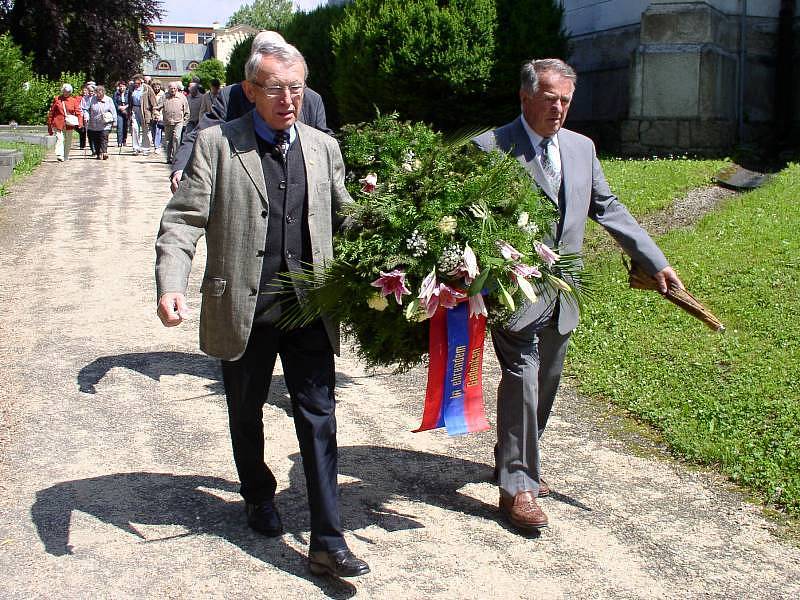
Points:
[422,58]
[206,71]
[25,97]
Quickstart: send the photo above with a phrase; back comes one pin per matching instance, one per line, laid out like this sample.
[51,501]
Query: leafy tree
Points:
[25,96]
[263,14]
[103,39]
[234,72]
[206,71]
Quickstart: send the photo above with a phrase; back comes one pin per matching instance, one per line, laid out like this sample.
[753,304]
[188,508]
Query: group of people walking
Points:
[154,117]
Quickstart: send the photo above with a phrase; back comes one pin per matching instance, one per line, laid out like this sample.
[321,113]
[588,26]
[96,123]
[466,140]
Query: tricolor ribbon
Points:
[454,393]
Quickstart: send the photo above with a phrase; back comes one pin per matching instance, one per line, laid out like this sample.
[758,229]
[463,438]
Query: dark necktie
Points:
[548,166]
[282,142]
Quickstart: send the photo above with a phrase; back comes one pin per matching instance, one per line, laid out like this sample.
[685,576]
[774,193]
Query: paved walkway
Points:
[117,479]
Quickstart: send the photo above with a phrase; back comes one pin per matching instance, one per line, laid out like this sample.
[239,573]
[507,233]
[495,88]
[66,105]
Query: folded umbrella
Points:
[639,279]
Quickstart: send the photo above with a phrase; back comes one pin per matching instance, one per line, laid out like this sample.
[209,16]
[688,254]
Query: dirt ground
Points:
[117,477]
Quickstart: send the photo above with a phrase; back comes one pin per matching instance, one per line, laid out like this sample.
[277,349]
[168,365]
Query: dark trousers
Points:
[99,141]
[308,367]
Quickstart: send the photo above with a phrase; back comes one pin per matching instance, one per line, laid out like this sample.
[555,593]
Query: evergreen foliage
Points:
[422,58]
[311,33]
[206,71]
[234,71]
[450,63]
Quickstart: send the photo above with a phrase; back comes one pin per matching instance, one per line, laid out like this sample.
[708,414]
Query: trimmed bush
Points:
[234,72]
[422,58]
[450,63]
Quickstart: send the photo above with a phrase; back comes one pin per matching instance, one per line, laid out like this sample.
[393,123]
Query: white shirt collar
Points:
[535,138]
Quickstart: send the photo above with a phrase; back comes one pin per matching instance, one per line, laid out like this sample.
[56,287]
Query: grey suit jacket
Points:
[231,103]
[584,193]
[223,195]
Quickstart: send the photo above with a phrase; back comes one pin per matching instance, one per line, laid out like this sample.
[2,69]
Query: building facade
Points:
[180,48]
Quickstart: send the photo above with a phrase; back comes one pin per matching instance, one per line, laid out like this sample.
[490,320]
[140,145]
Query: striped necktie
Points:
[548,165]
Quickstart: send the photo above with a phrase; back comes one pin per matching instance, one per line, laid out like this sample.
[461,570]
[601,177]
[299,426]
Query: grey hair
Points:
[529,74]
[97,88]
[285,53]
[66,88]
[266,37]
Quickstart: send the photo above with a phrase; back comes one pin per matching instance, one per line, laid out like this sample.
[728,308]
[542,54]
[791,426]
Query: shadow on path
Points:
[153,365]
[157,364]
[194,503]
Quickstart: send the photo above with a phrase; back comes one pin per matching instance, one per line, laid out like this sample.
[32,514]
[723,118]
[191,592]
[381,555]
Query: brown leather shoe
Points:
[522,510]
[544,489]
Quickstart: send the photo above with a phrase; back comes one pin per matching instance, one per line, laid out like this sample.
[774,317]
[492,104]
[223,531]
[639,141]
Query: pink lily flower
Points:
[449,297]
[393,282]
[470,264]
[429,286]
[369,183]
[526,271]
[477,306]
[546,253]
[508,251]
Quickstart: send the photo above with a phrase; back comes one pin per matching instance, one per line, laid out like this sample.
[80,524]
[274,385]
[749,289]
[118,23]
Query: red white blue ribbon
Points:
[454,393]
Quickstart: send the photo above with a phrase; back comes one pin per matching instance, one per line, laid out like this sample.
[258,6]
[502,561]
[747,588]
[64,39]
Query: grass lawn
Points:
[32,158]
[647,186]
[731,399]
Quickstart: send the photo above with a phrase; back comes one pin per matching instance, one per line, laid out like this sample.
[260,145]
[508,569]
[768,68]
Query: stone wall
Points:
[671,81]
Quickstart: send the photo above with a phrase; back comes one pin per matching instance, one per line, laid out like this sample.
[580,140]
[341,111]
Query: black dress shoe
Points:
[264,518]
[339,563]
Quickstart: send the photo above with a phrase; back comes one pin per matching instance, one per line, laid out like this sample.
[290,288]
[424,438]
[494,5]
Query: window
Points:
[192,65]
[204,38]
[169,37]
[163,65]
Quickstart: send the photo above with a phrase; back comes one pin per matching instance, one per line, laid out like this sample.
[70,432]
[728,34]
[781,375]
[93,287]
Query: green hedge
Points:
[206,71]
[450,63]
[311,33]
[234,71]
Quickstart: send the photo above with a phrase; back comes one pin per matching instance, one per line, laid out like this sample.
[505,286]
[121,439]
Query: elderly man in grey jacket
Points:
[532,348]
[265,190]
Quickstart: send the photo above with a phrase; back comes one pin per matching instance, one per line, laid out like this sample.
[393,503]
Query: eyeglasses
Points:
[279,91]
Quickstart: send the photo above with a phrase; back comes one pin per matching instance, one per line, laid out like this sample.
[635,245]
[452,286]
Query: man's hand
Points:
[175,180]
[665,277]
[172,309]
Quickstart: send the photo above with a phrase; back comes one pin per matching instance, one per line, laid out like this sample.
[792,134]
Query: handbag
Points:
[69,119]
[108,118]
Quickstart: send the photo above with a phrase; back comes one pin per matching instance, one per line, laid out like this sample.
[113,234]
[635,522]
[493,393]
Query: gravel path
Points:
[117,479]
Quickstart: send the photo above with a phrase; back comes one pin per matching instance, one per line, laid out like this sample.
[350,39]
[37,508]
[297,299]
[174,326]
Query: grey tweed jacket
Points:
[223,195]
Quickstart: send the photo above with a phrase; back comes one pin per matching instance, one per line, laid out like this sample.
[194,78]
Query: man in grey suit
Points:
[266,191]
[531,349]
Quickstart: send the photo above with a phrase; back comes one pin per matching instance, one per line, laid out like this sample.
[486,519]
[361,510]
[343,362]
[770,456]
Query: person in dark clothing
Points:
[123,116]
[231,103]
